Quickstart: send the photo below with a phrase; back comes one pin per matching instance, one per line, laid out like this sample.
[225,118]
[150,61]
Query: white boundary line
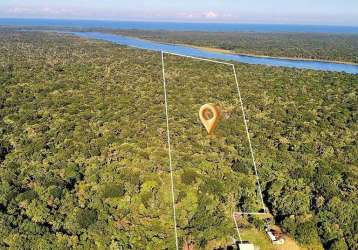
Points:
[247,133]
[235,221]
[197,58]
[170,155]
[236,226]
[248,138]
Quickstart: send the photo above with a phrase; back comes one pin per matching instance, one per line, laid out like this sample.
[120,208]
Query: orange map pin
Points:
[209,115]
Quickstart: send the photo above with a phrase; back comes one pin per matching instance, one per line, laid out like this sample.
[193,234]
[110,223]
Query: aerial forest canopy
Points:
[84,155]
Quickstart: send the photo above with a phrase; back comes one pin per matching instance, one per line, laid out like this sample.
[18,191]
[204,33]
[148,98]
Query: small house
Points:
[275,236]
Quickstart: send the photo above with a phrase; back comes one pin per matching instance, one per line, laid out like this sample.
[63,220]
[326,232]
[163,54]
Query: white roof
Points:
[246,246]
[272,237]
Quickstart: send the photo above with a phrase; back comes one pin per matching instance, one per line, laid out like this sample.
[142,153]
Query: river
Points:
[197,52]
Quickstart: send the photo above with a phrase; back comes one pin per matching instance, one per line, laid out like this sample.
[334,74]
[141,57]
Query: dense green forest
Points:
[334,47]
[84,155]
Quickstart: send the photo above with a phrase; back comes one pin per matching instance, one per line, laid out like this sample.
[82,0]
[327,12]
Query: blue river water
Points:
[190,51]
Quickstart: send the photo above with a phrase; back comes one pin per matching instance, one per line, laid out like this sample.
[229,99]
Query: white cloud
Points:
[199,15]
[211,15]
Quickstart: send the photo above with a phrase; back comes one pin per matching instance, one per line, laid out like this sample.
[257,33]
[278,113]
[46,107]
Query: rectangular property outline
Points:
[169,148]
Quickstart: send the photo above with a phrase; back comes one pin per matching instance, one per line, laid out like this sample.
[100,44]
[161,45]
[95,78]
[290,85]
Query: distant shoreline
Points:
[181,26]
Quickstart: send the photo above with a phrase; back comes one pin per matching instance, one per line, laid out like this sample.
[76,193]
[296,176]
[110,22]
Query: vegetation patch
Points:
[84,160]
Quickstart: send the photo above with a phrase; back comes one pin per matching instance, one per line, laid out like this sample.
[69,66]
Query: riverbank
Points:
[232,52]
[276,46]
[322,47]
[176,48]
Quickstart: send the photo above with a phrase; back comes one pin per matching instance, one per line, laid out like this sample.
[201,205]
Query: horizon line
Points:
[174,21]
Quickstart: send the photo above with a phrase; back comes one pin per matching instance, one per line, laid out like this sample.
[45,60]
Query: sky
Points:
[319,12]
